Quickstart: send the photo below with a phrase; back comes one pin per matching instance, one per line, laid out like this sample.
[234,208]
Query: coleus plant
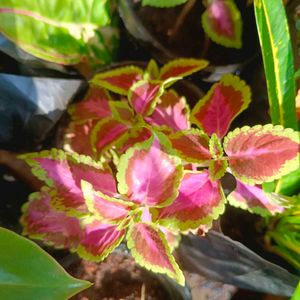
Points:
[143,98]
[221,20]
[163,184]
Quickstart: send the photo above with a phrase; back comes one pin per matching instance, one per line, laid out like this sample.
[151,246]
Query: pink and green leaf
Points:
[107,133]
[224,101]
[94,106]
[143,96]
[64,172]
[199,202]
[77,137]
[40,221]
[217,169]
[173,238]
[150,249]
[171,111]
[191,145]
[118,80]
[179,68]
[148,175]
[104,208]
[262,153]
[99,240]
[254,199]
[222,22]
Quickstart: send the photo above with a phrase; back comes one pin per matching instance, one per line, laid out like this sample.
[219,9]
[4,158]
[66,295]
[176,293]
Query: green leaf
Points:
[60,31]
[27,272]
[296,295]
[278,60]
[163,3]
[289,185]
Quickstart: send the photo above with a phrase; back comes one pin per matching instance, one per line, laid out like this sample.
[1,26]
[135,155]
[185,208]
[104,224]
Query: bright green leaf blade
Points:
[278,60]
[27,272]
[163,3]
[289,185]
[296,295]
[60,31]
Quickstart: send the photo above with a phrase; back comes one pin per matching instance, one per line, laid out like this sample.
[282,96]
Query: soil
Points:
[117,277]
[185,37]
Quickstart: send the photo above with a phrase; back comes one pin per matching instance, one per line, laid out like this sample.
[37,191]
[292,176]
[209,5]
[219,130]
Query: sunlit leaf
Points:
[64,172]
[83,33]
[191,145]
[222,22]
[219,107]
[143,96]
[262,153]
[217,168]
[28,272]
[199,201]
[181,67]
[150,249]
[163,3]
[253,199]
[148,175]
[99,240]
[172,111]
[103,207]
[118,80]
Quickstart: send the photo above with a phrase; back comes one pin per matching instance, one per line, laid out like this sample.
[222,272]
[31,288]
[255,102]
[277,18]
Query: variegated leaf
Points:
[152,70]
[148,175]
[262,153]
[40,221]
[178,68]
[200,201]
[143,96]
[107,133]
[118,80]
[191,145]
[222,22]
[219,107]
[64,172]
[104,208]
[121,111]
[217,168]
[254,199]
[171,111]
[150,249]
[77,138]
[94,106]
[99,240]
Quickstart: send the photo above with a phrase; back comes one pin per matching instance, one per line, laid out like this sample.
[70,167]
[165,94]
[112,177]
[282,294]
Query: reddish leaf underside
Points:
[94,106]
[254,199]
[148,175]
[119,80]
[223,24]
[191,145]
[181,67]
[200,201]
[41,221]
[143,95]
[171,111]
[149,247]
[224,101]
[262,153]
[99,240]
[108,133]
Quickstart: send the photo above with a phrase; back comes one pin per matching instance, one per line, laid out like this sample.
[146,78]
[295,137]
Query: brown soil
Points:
[118,277]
